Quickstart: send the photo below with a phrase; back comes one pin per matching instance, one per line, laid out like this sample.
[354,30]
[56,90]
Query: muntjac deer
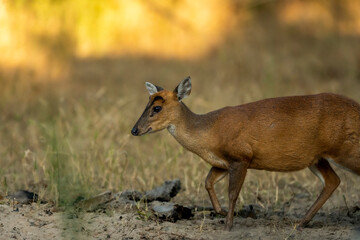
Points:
[279,134]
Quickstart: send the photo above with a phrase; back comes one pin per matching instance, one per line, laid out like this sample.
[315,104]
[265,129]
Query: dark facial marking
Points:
[155,99]
[158,98]
[148,107]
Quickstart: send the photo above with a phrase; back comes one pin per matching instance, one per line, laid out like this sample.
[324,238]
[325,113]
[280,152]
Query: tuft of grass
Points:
[143,211]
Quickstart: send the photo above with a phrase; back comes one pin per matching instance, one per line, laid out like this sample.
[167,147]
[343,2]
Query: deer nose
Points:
[135,131]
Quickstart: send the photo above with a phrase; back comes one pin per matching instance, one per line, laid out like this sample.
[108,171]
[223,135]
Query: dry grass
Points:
[72,137]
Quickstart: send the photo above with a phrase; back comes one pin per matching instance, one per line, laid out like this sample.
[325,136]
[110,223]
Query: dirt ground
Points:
[42,221]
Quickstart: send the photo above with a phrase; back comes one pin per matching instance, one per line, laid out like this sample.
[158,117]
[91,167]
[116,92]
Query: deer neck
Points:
[191,129]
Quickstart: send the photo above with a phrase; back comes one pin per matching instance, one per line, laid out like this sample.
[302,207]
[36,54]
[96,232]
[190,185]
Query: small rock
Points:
[170,211]
[162,208]
[165,192]
[96,202]
[24,197]
[131,195]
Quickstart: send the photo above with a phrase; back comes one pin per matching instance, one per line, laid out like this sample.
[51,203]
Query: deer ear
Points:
[183,89]
[152,88]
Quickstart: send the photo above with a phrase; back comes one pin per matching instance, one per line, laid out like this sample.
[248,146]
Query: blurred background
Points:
[72,76]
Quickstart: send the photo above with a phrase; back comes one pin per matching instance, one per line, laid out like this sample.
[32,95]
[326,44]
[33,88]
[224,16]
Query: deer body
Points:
[279,134]
[276,134]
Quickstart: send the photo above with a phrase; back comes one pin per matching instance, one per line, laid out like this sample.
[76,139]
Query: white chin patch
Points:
[172,129]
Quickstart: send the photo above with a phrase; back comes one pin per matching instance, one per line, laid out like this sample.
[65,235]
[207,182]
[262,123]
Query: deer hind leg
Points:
[215,175]
[330,180]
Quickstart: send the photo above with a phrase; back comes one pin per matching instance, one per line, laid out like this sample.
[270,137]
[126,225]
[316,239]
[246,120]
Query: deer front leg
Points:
[215,175]
[237,173]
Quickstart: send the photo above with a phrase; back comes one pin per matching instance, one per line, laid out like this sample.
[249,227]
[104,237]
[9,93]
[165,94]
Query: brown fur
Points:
[278,134]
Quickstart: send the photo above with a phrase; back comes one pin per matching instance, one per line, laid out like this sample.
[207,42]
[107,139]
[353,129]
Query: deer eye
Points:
[157,109]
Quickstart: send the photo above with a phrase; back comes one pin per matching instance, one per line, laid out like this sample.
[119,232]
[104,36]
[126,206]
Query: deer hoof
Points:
[223,212]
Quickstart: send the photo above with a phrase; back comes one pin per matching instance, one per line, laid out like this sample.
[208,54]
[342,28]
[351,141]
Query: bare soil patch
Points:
[128,221]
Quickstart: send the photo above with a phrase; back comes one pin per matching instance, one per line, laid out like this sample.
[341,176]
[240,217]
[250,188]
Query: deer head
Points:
[162,109]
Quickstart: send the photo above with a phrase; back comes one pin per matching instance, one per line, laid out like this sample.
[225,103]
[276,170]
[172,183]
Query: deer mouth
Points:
[147,131]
